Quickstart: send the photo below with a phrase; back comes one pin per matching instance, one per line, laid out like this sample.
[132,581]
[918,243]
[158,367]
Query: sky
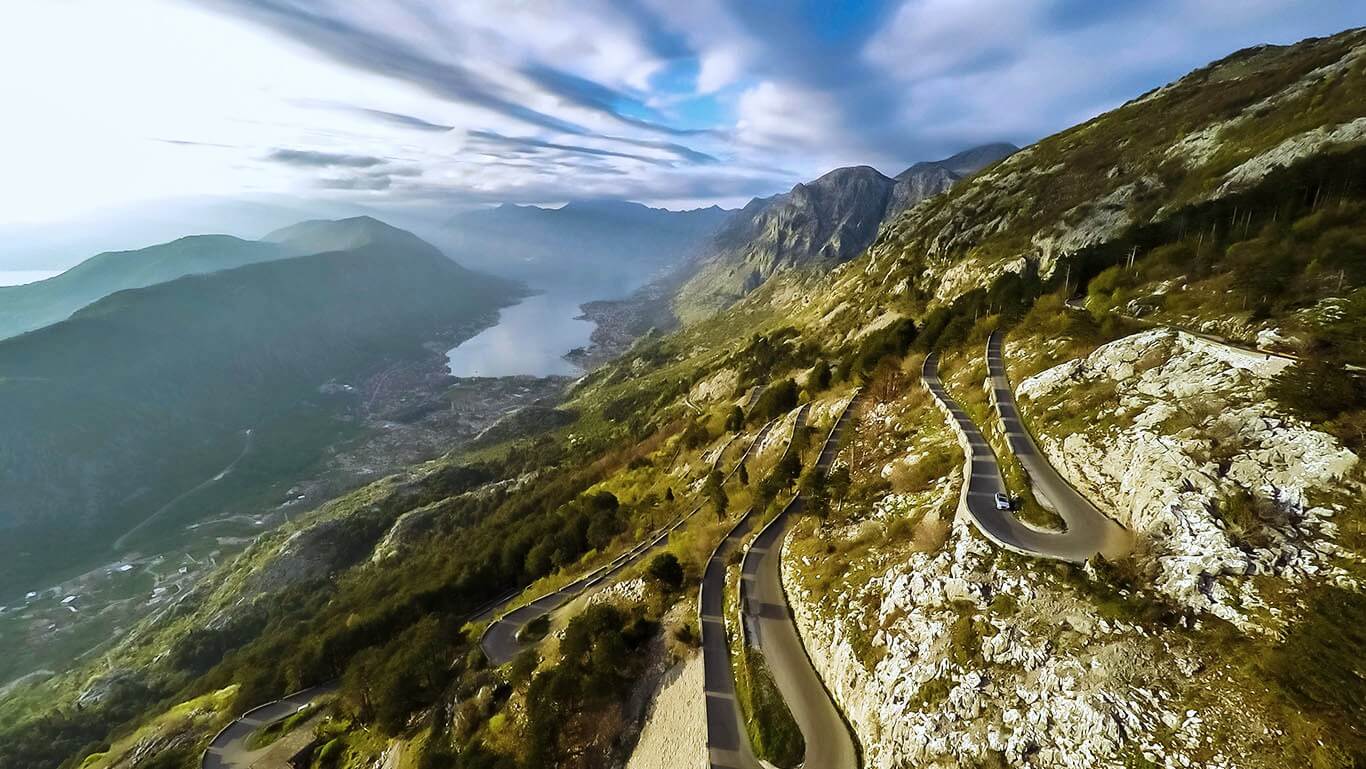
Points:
[130,108]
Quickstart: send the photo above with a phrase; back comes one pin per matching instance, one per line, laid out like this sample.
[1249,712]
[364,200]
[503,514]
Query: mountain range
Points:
[817,224]
[24,308]
[114,411]
[592,243]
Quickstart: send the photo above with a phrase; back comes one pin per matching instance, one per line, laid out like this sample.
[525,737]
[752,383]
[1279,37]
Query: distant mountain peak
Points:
[820,222]
[25,308]
[592,240]
[604,204]
[317,236]
[849,173]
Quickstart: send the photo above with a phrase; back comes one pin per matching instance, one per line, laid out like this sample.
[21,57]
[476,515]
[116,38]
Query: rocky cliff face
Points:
[972,662]
[927,179]
[1214,133]
[817,224]
[959,653]
[1187,450]
[825,221]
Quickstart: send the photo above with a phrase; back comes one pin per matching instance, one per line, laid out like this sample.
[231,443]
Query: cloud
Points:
[622,107]
[429,102]
[352,45]
[378,51]
[405,121]
[188,143]
[313,159]
[373,183]
[532,146]
[681,152]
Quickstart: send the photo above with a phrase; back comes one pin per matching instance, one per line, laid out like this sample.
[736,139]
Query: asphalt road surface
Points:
[228,750]
[727,743]
[500,643]
[768,624]
[769,627]
[1088,530]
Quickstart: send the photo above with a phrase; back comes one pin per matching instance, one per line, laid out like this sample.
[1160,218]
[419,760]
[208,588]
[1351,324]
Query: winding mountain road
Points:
[727,744]
[228,749]
[500,642]
[767,621]
[769,627]
[1088,530]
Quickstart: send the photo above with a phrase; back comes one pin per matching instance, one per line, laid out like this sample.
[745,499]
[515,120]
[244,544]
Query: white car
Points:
[1002,501]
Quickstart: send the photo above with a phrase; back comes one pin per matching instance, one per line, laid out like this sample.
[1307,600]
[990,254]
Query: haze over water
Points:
[530,338]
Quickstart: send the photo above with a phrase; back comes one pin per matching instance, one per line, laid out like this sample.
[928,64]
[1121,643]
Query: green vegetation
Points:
[575,704]
[893,340]
[735,421]
[184,369]
[665,570]
[1321,392]
[24,308]
[819,489]
[268,734]
[384,684]
[773,732]
[1318,675]
[176,726]
[776,399]
[715,493]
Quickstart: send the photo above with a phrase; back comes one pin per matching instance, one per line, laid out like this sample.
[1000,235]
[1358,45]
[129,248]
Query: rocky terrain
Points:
[818,224]
[1187,450]
[1222,128]
[963,653]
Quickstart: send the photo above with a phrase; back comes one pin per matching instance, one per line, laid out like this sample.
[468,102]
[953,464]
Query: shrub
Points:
[735,420]
[916,476]
[695,435]
[774,732]
[536,629]
[1317,671]
[815,494]
[930,534]
[1264,267]
[1317,391]
[715,492]
[895,339]
[776,399]
[667,571]
[819,378]
[601,655]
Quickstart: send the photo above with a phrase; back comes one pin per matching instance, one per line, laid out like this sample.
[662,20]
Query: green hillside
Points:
[148,392]
[318,235]
[24,308]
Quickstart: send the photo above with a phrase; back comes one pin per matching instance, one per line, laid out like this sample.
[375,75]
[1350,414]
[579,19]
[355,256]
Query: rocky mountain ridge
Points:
[816,224]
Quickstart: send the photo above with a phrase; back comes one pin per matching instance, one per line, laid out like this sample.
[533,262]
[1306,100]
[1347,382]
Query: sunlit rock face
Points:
[1189,426]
